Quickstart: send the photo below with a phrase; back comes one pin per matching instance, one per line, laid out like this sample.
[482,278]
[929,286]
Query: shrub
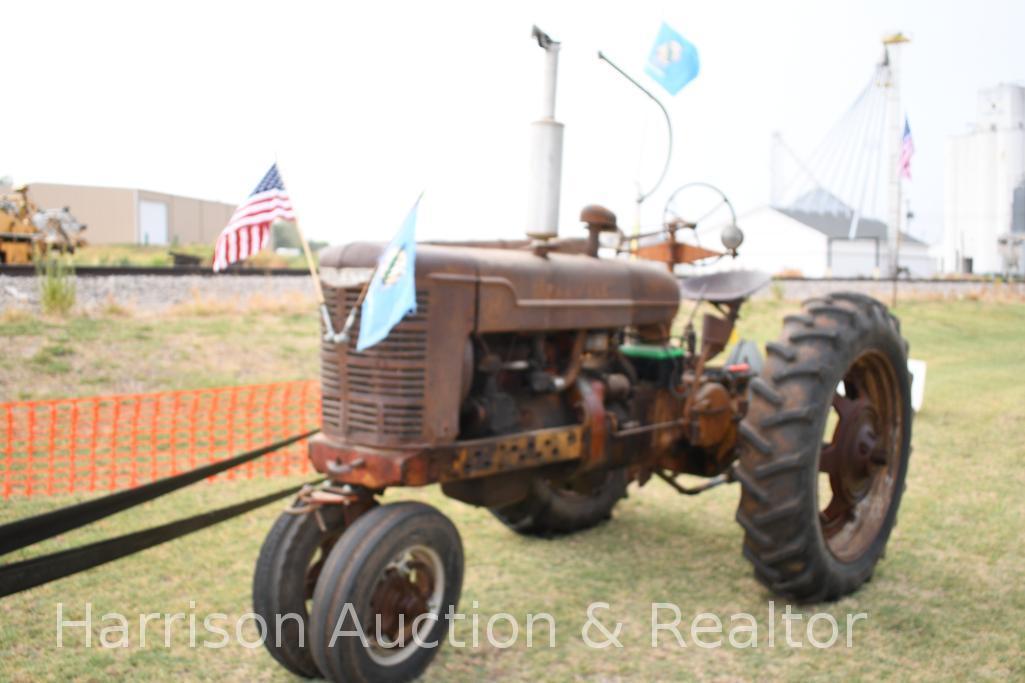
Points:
[56,285]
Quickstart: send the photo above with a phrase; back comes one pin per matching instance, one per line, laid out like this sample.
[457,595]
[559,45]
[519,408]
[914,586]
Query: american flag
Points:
[248,231]
[907,150]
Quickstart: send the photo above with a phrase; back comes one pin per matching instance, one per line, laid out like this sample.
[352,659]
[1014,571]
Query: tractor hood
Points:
[518,289]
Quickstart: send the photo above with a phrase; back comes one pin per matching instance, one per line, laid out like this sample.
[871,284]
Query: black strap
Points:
[25,532]
[27,574]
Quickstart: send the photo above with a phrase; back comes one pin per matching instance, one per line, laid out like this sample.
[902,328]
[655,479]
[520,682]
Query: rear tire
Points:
[800,549]
[550,510]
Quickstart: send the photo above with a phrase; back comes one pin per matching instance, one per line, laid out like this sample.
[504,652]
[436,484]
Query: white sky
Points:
[366,104]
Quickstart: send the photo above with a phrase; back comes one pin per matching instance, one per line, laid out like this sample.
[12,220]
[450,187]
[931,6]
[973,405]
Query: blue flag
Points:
[673,61]
[392,291]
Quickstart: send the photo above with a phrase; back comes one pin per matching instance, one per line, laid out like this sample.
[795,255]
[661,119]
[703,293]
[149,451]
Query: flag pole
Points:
[350,320]
[318,290]
[310,264]
[329,332]
[641,194]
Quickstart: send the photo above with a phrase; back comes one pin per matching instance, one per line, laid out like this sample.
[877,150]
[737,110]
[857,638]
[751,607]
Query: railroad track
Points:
[177,271]
[107,271]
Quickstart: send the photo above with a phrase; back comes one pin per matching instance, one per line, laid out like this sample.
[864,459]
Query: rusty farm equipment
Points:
[538,379]
[538,384]
[27,231]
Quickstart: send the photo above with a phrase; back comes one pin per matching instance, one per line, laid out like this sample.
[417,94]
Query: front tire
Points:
[290,561]
[843,353]
[400,563]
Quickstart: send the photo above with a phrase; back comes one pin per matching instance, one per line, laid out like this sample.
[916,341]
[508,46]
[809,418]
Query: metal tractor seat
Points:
[725,286]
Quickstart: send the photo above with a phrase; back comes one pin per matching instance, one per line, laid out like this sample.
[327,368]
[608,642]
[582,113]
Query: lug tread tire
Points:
[780,438]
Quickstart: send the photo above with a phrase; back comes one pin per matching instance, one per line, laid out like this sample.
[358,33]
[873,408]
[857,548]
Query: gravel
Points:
[160,292]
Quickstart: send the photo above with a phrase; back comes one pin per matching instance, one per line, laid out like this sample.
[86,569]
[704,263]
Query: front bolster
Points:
[378,469]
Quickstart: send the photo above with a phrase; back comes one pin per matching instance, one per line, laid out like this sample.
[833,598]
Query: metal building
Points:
[117,215]
[815,242]
[984,197]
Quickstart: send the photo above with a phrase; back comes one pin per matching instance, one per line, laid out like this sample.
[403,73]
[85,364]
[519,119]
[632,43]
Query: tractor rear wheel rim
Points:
[862,460]
[405,605]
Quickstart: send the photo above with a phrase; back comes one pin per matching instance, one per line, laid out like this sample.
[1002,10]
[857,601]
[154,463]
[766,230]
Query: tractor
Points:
[539,379]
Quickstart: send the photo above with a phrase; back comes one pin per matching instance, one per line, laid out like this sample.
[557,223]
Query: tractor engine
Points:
[519,363]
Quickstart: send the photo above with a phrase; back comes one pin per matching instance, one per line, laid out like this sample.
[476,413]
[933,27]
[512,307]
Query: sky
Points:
[366,104]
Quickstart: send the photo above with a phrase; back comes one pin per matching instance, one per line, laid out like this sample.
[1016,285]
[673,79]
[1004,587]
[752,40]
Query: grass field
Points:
[192,347]
[947,602]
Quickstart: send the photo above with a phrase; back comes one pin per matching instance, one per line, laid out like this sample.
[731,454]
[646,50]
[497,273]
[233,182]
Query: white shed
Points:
[816,244]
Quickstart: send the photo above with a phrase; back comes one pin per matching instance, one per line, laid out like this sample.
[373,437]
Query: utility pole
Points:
[776,169]
[892,46]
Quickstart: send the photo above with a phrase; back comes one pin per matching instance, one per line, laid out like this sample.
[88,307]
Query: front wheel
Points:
[380,603]
[824,448]
[290,562]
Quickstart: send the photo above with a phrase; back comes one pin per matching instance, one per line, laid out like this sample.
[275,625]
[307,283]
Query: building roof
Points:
[820,200]
[824,212]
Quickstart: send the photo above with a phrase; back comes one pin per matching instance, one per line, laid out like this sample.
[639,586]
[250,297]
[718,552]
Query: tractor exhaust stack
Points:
[545,152]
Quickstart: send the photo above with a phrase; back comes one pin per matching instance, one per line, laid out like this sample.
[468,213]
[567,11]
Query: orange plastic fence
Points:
[105,443]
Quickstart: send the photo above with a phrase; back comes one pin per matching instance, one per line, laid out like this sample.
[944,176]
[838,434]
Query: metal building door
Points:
[152,222]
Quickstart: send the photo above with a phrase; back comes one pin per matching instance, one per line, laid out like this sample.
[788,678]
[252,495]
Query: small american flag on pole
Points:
[907,150]
[248,231]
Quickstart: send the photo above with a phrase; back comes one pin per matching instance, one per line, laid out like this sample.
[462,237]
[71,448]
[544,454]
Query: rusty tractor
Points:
[538,380]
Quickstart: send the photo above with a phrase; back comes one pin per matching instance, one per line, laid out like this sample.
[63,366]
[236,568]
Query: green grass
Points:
[52,359]
[84,355]
[947,602]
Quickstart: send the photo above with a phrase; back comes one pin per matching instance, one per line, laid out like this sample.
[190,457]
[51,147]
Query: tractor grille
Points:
[376,396]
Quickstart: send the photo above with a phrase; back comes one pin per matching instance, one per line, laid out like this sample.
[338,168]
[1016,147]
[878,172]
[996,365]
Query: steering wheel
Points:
[698,205]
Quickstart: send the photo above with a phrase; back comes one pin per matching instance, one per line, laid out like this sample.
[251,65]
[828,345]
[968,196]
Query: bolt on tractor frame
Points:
[538,380]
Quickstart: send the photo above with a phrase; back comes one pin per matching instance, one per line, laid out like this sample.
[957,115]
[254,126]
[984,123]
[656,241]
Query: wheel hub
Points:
[854,457]
[410,586]
[400,597]
[856,445]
